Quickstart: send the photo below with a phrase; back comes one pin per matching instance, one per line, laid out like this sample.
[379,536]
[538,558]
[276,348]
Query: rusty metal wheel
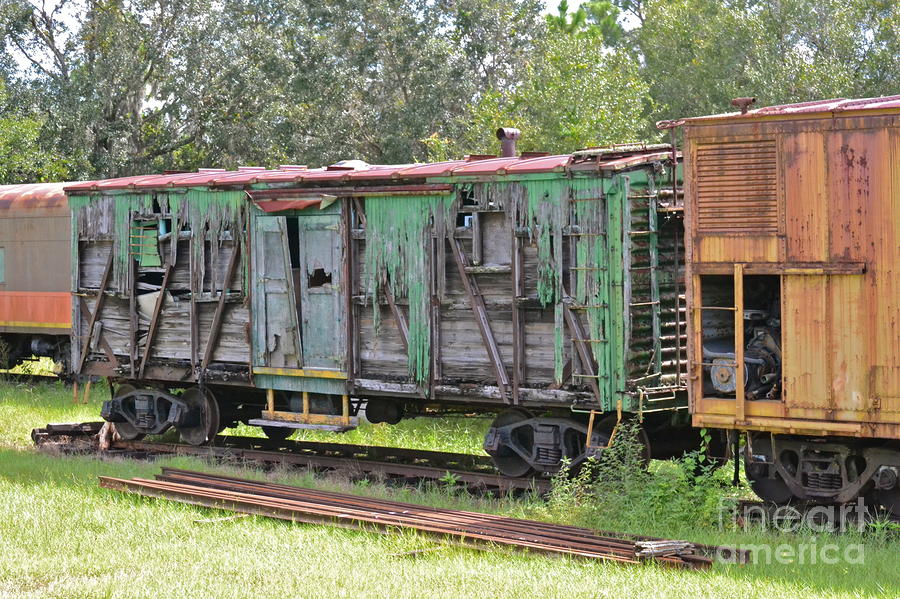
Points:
[205,422]
[759,467]
[126,430]
[507,460]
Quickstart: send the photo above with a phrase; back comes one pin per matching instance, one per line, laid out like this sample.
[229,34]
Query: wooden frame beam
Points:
[518,320]
[395,310]
[154,320]
[584,351]
[347,287]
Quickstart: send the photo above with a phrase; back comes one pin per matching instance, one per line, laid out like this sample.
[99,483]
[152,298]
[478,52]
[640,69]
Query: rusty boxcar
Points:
[545,288]
[34,273]
[794,295]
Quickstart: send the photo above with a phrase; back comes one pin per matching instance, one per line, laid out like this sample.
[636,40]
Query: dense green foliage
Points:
[115,87]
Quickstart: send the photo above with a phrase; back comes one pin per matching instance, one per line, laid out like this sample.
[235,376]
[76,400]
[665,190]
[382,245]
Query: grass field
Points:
[63,536]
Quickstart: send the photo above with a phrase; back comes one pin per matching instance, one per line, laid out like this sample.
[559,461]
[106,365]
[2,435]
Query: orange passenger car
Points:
[793,215]
[35,273]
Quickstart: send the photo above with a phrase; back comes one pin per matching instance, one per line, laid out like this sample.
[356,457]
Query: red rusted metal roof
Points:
[38,196]
[281,205]
[836,105]
[354,171]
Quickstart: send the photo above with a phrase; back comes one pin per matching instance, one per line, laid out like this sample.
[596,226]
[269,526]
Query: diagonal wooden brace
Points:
[216,327]
[484,325]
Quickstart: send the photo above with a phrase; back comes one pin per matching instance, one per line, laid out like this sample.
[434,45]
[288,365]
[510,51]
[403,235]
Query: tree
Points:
[130,86]
[596,18]
[22,158]
[574,94]
[698,54]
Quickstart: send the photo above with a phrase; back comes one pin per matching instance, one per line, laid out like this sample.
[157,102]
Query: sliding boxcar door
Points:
[321,290]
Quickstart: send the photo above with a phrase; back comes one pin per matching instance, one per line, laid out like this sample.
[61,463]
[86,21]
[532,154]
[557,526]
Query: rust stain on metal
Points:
[31,197]
[826,198]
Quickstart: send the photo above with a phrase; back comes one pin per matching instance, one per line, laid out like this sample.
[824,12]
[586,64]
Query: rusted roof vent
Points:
[743,103]
[508,137]
[527,155]
[477,157]
[245,169]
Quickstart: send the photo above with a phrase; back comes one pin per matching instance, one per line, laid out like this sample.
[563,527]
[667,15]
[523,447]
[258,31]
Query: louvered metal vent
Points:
[736,187]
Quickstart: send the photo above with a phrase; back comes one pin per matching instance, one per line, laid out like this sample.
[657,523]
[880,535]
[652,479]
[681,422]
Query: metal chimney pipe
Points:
[508,137]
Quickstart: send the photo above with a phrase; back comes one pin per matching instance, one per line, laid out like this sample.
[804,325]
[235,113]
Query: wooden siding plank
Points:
[484,326]
[101,297]
[215,329]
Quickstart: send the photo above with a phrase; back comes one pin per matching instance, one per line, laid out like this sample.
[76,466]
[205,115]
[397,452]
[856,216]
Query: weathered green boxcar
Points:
[545,288]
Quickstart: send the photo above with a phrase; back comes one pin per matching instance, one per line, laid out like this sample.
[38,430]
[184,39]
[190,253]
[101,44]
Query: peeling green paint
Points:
[206,213]
[398,234]
[591,287]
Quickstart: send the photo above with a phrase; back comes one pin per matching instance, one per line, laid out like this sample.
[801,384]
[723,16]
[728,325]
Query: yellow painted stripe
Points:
[301,372]
[41,325]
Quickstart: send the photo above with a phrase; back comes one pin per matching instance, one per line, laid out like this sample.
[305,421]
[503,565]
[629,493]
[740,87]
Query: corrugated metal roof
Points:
[37,196]
[835,105]
[357,172]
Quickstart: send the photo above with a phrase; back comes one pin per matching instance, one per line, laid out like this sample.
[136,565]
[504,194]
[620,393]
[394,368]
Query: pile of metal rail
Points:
[474,529]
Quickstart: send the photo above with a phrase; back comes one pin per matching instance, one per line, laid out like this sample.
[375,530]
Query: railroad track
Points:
[473,473]
[471,528]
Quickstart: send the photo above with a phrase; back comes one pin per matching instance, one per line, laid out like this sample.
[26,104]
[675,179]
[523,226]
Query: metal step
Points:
[354,423]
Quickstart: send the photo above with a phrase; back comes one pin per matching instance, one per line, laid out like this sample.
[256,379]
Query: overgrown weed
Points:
[617,488]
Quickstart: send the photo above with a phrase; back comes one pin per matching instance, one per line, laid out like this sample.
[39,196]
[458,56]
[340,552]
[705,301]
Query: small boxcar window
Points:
[2,266]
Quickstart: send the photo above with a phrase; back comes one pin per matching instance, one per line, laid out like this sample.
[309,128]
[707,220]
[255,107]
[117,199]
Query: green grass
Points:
[459,434]
[63,536]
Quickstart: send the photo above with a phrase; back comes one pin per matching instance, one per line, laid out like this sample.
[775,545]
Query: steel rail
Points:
[413,513]
[297,504]
[177,474]
[321,514]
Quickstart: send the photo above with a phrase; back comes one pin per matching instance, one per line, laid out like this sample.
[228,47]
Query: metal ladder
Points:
[654,367]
